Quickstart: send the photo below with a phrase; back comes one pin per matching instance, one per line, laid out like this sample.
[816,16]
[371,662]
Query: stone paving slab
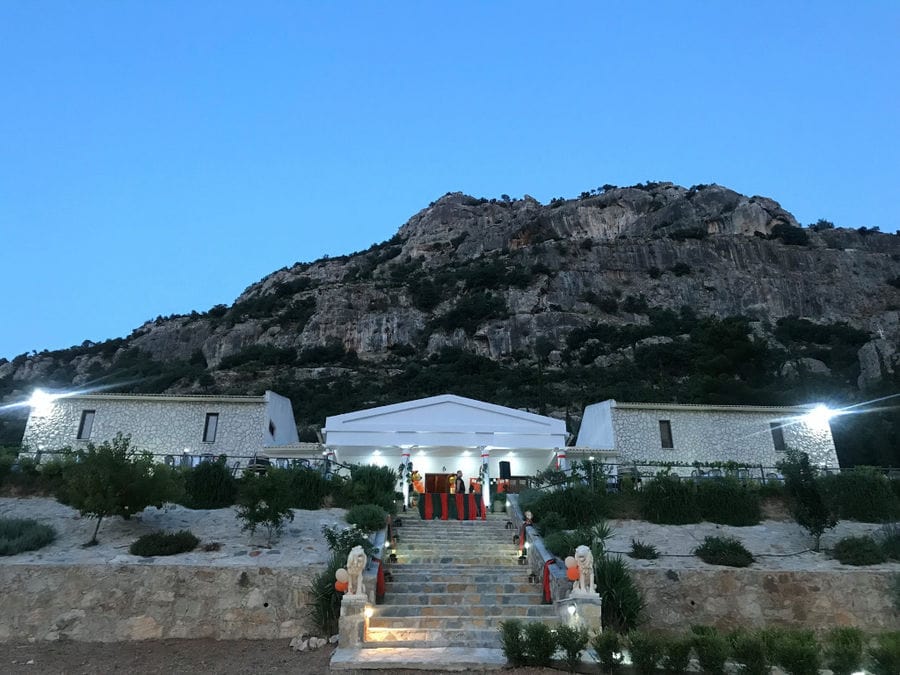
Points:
[455,659]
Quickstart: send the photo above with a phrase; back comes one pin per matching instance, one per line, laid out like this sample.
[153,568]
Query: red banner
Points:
[445,507]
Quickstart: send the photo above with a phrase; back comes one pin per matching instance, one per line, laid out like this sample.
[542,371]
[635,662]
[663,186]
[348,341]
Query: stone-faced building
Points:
[164,425]
[753,435]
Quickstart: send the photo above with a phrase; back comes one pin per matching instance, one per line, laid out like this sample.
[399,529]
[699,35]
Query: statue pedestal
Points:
[352,623]
[581,610]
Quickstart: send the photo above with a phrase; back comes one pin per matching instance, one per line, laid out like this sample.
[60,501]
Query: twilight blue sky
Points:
[158,157]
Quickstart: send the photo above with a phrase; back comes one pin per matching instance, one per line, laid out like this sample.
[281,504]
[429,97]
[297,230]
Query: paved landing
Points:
[429,659]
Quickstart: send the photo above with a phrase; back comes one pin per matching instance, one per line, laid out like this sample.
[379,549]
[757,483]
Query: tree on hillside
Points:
[808,504]
[113,479]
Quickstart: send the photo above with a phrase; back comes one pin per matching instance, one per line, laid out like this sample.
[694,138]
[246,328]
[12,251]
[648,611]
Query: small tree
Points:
[808,506]
[265,500]
[113,479]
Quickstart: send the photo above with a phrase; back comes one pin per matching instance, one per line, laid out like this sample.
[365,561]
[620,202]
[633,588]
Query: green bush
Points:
[265,500]
[646,651]
[844,650]
[677,655]
[749,650]
[862,494]
[560,544]
[727,501]
[642,551]
[209,485]
[309,488]
[725,551]
[577,506]
[367,517]
[512,642]
[572,642]
[623,604]
[858,551]
[370,485]
[884,656]
[712,649]
[164,543]
[342,540]
[540,644]
[607,645]
[808,505]
[18,535]
[797,652]
[669,500]
[550,522]
[889,539]
[325,606]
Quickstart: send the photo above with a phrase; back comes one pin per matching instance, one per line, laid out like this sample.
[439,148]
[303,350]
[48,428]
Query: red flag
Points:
[444,506]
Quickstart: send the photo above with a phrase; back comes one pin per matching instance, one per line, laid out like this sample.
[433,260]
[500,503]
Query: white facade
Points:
[706,433]
[164,425]
[445,434]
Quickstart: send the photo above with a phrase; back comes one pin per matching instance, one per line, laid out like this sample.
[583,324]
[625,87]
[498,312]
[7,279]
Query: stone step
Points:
[471,638]
[403,589]
[389,656]
[413,574]
[413,597]
[462,622]
[518,606]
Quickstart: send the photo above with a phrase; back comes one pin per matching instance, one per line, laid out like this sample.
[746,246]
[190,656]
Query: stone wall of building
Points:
[718,436]
[158,426]
[729,598]
[108,603]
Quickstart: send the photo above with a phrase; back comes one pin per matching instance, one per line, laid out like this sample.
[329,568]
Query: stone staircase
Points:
[453,584]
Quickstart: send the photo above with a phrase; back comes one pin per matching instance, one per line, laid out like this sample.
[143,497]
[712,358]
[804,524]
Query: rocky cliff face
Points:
[513,281]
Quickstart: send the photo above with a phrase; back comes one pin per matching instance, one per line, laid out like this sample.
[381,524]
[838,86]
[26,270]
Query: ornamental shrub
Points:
[669,500]
[844,650]
[725,551]
[308,488]
[550,522]
[209,485]
[164,543]
[646,651]
[862,494]
[577,506]
[265,500]
[367,517]
[18,535]
[607,645]
[712,649]
[540,644]
[512,642]
[749,650]
[808,505]
[642,551]
[888,537]
[884,656]
[797,652]
[728,501]
[623,604]
[677,655]
[572,641]
[370,485]
[858,551]
[559,543]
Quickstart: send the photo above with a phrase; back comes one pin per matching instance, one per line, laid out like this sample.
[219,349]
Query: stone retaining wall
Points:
[108,603]
[728,598]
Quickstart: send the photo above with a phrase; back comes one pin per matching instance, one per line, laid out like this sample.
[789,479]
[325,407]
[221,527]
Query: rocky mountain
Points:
[653,291]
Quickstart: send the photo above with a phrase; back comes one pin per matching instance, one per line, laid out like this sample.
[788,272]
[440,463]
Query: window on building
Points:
[271,428]
[665,434]
[778,436]
[209,429]
[86,424]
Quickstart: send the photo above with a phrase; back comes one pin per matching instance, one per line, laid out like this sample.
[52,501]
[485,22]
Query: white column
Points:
[562,462]
[404,460]
[486,480]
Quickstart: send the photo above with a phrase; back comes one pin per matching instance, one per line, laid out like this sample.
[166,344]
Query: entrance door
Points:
[437,482]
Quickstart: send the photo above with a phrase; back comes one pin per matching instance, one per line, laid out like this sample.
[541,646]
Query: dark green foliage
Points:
[712,649]
[608,647]
[367,517]
[844,650]
[680,269]
[749,650]
[727,501]
[209,485]
[370,485]
[559,543]
[677,656]
[325,605]
[635,305]
[112,479]
[18,535]
[308,488]
[623,603]
[808,505]
[164,543]
[894,281]
[342,540]
[646,651]
[332,351]
[550,522]
[789,234]
[259,356]
[513,642]
[862,494]
[654,272]
[858,551]
[643,551]
[669,500]
[471,311]
[889,540]
[797,652]
[884,656]
[576,506]
[265,500]
[540,644]
[723,551]
[572,641]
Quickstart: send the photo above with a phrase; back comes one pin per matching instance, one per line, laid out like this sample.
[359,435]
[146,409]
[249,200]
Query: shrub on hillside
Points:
[712,649]
[308,488]
[884,656]
[797,652]
[728,501]
[164,543]
[844,650]
[862,494]
[807,503]
[607,645]
[18,535]
[888,537]
[540,644]
[646,651]
[725,551]
[209,485]
[577,506]
[572,642]
[858,551]
[669,500]
[623,604]
[749,650]
[677,654]
[643,551]
[367,517]
[550,522]
[369,485]
[512,642]
[265,501]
